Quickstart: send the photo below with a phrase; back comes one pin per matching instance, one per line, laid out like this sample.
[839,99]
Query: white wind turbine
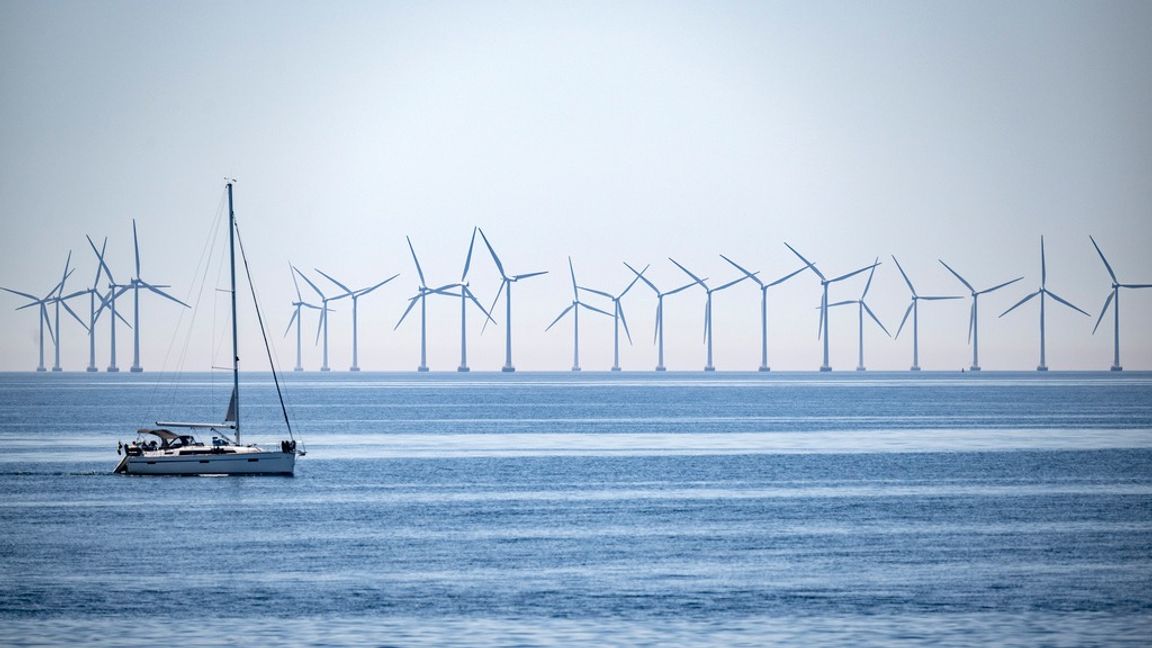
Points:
[974,314]
[1113,300]
[914,311]
[574,308]
[322,325]
[861,309]
[61,300]
[355,296]
[506,282]
[1043,292]
[94,296]
[465,296]
[421,297]
[136,284]
[618,316]
[42,303]
[297,315]
[658,336]
[764,304]
[824,283]
[708,306]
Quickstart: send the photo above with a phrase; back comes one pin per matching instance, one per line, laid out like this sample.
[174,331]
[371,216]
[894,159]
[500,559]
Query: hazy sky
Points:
[606,131]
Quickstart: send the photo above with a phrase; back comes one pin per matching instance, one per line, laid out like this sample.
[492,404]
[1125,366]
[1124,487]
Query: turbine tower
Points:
[914,310]
[42,302]
[1113,299]
[137,283]
[297,316]
[708,306]
[861,308]
[506,282]
[466,295]
[618,317]
[574,308]
[824,283]
[974,315]
[355,295]
[322,324]
[764,305]
[1043,292]
[658,336]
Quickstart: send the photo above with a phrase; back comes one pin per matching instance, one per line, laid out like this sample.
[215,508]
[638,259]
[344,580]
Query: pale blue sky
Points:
[607,131]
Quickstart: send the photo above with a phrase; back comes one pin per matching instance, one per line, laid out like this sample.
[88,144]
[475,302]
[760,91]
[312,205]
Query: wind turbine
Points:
[42,302]
[574,308]
[764,304]
[421,296]
[618,317]
[61,300]
[658,336]
[1043,292]
[824,283]
[137,283]
[297,316]
[1113,297]
[465,295]
[109,301]
[506,285]
[708,306]
[355,295]
[914,311]
[322,325]
[974,316]
[861,308]
[94,294]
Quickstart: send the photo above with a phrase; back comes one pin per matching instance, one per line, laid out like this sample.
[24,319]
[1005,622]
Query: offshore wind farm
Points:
[632,323]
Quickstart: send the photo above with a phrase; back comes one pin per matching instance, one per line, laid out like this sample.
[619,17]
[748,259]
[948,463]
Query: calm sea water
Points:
[641,509]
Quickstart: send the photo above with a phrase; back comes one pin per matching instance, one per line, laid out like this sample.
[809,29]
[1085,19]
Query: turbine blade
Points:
[790,275]
[684,287]
[292,320]
[572,273]
[472,298]
[1107,302]
[496,259]
[906,279]
[526,275]
[940,297]
[1106,264]
[630,284]
[365,291]
[598,292]
[74,315]
[807,263]
[750,275]
[842,303]
[871,273]
[853,273]
[562,314]
[329,277]
[295,284]
[957,275]
[643,278]
[468,259]
[823,316]
[503,282]
[1066,302]
[624,321]
[411,304]
[904,320]
[593,308]
[971,320]
[875,319]
[1136,285]
[48,323]
[689,273]
[707,321]
[309,282]
[136,247]
[416,261]
[164,294]
[320,322]
[1043,264]
[659,317]
[1020,303]
[22,294]
[730,284]
[998,286]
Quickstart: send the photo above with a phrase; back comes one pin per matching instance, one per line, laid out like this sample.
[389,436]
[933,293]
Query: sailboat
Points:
[161,451]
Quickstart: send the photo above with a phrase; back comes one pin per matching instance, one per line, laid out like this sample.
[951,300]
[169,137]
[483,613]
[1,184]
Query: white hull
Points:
[247,463]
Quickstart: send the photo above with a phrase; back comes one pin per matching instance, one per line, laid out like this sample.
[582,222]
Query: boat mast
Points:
[235,349]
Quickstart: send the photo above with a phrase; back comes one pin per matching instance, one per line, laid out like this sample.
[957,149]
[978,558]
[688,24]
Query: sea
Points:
[630,509]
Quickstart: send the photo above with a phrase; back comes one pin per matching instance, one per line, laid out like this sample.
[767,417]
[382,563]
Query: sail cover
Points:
[231,415]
